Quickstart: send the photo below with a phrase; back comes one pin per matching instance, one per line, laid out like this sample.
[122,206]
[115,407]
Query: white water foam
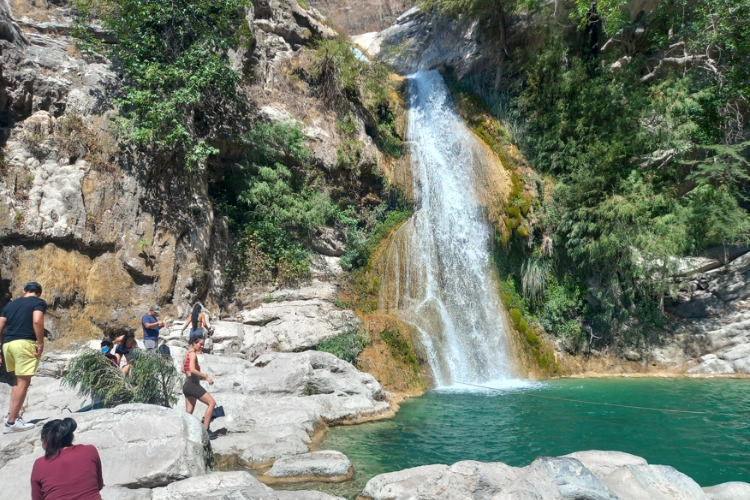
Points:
[441,257]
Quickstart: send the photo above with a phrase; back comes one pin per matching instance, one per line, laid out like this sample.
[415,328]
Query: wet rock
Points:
[728,491]
[141,446]
[327,466]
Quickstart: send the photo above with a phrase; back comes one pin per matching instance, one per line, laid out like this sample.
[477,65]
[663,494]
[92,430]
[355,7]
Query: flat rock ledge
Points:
[218,485]
[324,466]
[590,475]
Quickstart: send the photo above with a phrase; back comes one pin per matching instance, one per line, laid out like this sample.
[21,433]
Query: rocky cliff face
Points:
[356,17]
[108,228]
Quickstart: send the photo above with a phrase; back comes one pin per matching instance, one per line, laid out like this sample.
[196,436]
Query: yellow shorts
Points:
[18,356]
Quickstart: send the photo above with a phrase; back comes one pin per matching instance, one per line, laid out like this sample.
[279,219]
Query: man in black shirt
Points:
[22,337]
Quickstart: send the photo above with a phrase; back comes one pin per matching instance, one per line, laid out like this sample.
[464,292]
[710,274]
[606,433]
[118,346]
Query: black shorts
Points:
[192,388]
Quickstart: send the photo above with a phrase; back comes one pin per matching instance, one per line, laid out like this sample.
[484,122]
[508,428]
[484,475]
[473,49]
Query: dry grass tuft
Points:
[61,273]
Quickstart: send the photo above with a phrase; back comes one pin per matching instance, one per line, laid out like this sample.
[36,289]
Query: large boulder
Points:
[293,325]
[653,482]
[326,466]
[561,478]
[141,446]
[589,475]
[728,491]
[275,404]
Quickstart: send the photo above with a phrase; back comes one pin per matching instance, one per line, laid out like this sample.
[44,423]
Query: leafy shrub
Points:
[400,346]
[346,346]
[174,59]
[152,379]
[362,241]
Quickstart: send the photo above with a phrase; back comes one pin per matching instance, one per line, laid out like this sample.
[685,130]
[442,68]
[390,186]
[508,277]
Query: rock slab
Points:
[327,465]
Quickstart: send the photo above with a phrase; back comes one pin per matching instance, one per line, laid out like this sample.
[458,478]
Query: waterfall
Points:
[438,275]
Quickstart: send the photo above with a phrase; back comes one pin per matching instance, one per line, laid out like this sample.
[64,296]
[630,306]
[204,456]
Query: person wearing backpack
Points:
[192,388]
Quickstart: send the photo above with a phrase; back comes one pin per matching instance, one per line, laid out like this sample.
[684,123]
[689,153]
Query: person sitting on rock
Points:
[66,470]
[192,388]
[124,346]
[199,321]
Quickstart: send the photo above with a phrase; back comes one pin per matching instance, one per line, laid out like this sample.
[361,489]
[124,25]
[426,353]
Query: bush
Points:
[152,379]
[400,346]
[346,346]
[174,59]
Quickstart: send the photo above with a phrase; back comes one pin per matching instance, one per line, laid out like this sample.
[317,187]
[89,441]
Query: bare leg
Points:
[190,404]
[208,400]
[18,396]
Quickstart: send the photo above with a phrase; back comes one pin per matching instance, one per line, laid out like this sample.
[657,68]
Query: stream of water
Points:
[439,262]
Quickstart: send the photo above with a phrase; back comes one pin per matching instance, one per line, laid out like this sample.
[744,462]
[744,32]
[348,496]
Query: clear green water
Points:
[516,427]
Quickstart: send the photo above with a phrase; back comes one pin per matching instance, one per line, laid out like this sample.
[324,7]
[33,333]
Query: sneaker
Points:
[18,426]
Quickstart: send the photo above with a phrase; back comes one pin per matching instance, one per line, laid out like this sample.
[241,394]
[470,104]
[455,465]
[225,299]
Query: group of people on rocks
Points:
[75,471]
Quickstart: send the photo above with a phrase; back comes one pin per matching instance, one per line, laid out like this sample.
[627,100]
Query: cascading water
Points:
[438,271]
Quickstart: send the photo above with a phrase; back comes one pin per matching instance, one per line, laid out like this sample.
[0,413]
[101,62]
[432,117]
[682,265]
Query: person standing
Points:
[151,327]
[192,389]
[199,321]
[66,470]
[22,337]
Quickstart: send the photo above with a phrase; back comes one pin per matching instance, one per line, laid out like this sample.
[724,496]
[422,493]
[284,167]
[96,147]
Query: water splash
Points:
[438,275]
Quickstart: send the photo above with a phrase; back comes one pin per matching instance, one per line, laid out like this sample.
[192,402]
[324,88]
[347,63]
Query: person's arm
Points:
[2,333]
[206,324]
[189,320]
[193,370]
[39,332]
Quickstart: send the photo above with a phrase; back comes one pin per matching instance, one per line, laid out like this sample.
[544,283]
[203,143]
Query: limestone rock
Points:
[728,491]
[225,485]
[328,242]
[120,493]
[328,466]
[712,367]
[227,338]
[46,398]
[603,463]
[274,404]
[404,484]
[214,485]
[655,482]
[294,325]
[561,478]
[176,447]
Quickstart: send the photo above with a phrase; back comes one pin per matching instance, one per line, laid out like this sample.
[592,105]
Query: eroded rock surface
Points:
[591,475]
[327,465]
[141,446]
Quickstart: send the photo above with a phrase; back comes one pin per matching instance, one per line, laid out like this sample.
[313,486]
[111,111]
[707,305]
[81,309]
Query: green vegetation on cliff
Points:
[178,83]
[636,121]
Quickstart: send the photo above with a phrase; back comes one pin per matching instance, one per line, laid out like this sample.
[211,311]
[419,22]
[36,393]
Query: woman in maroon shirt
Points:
[66,471]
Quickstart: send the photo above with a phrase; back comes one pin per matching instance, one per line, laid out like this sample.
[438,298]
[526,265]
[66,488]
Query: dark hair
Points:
[196,312]
[33,287]
[105,342]
[56,435]
[125,338]
[195,339]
